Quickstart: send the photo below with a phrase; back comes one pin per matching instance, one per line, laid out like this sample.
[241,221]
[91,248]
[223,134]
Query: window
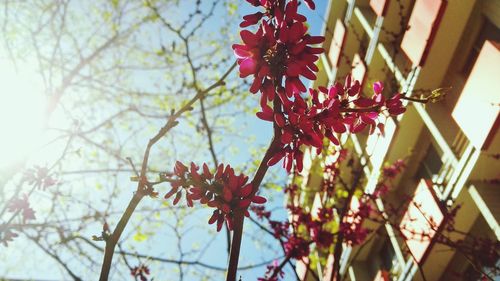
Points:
[431,164]
[424,22]
[387,256]
[488,32]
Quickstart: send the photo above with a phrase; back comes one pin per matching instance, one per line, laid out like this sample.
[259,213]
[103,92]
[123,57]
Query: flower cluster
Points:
[7,236]
[339,109]
[17,206]
[296,247]
[277,56]
[389,172]
[39,176]
[280,229]
[140,272]
[308,227]
[22,205]
[312,230]
[271,269]
[352,225]
[331,171]
[223,190]
[279,51]
[260,211]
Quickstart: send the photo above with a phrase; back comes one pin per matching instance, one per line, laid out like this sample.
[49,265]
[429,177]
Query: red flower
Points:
[279,49]
[354,234]
[280,229]
[140,272]
[222,190]
[270,270]
[251,19]
[393,170]
[322,238]
[296,247]
[394,105]
[352,225]
[308,122]
[261,212]
[310,4]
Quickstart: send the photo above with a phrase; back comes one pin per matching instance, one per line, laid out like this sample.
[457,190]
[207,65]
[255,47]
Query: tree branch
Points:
[143,188]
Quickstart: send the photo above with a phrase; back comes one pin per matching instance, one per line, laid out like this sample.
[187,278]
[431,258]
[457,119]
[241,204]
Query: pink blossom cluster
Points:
[270,272]
[6,236]
[223,190]
[39,176]
[140,272]
[331,111]
[16,205]
[352,229]
[21,205]
[279,51]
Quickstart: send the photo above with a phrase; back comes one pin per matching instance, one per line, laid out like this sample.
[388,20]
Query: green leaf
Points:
[140,237]
[232,8]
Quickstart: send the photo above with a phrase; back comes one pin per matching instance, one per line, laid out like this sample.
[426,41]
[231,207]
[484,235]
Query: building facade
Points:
[451,147]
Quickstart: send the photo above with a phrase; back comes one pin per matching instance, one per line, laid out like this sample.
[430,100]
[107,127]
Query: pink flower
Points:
[261,212]
[393,170]
[322,238]
[351,226]
[307,122]
[39,176]
[280,228]
[280,50]
[270,270]
[8,236]
[223,190]
[251,19]
[271,57]
[394,105]
[354,234]
[22,206]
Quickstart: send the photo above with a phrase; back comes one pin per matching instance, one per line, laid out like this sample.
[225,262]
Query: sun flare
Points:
[21,112]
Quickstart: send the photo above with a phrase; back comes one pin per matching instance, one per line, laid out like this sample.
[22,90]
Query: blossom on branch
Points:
[280,50]
[7,236]
[223,190]
[328,113]
[140,272]
[39,176]
[23,206]
[272,269]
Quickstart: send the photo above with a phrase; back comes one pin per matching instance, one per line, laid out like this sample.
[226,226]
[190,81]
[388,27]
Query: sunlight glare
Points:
[21,112]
